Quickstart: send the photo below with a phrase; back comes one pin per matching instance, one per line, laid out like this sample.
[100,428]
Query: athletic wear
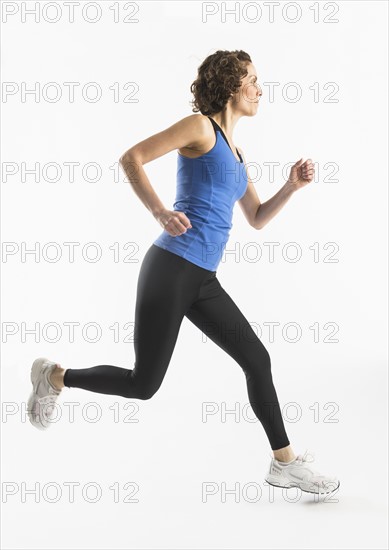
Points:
[177,278]
[169,288]
[207,188]
[42,400]
[297,473]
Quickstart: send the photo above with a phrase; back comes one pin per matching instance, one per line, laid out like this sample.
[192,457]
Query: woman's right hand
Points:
[174,222]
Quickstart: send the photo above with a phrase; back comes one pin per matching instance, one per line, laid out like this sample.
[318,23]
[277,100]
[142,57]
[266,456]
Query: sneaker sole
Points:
[291,484]
[35,372]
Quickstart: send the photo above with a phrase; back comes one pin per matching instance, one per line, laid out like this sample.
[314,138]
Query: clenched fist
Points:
[174,222]
[301,173]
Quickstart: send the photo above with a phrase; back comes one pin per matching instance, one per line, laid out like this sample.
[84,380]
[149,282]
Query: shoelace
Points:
[301,458]
[306,457]
[317,478]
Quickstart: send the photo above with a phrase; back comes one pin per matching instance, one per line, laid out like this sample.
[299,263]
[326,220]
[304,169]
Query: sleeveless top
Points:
[207,188]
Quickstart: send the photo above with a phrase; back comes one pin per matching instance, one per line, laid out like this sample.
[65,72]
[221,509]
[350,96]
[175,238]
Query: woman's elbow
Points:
[129,155]
[256,225]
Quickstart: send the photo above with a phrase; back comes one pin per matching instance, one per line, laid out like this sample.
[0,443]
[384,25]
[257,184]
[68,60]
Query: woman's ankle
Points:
[56,377]
[285,454]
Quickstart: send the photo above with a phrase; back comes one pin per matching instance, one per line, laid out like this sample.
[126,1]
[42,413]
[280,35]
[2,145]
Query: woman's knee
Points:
[146,392]
[258,362]
[265,359]
[141,384]
[141,391]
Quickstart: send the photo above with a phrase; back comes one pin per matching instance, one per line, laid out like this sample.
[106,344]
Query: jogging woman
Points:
[178,274]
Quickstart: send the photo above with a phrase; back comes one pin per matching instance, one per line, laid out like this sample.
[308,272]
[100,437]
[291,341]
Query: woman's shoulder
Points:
[196,122]
[200,134]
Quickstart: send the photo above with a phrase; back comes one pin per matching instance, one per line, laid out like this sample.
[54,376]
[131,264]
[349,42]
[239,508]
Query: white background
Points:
[170,453]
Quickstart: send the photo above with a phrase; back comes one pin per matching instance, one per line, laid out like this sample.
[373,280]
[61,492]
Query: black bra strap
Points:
[217,127]
[214,124]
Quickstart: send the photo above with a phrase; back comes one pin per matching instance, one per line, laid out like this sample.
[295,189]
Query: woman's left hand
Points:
[301,173]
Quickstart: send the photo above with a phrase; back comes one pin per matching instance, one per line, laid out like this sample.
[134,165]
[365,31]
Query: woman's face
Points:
[247,97]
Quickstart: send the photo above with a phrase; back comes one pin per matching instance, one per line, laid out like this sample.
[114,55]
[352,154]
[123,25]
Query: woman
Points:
[178,278]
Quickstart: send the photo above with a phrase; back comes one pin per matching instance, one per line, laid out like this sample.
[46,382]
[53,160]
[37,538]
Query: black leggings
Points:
[168,288]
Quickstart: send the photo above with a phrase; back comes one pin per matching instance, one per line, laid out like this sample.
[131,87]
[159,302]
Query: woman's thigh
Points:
[216,314]
[167,285]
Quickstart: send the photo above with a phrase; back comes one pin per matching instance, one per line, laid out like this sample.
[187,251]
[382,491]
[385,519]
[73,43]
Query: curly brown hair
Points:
[218,78]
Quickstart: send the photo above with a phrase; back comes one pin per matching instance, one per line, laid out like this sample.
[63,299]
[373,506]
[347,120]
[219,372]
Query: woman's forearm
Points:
[271,207]
[140,183]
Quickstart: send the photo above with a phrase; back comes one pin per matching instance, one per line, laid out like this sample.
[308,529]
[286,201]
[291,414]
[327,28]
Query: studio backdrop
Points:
[82,82]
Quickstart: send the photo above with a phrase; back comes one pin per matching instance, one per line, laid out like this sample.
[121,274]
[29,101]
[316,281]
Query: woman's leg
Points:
[217,315]
[167,284]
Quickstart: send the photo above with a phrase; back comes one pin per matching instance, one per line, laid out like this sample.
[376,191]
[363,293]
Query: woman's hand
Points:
[301,174]
[174,222]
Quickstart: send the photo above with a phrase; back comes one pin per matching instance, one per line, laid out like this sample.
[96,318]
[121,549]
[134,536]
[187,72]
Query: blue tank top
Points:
[207,188]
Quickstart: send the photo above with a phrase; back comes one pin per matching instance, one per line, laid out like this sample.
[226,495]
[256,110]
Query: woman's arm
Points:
[259,214]
[188,132]
[132,166]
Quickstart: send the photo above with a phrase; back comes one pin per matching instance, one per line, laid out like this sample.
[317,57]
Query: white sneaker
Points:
[298,474]
[41,402]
